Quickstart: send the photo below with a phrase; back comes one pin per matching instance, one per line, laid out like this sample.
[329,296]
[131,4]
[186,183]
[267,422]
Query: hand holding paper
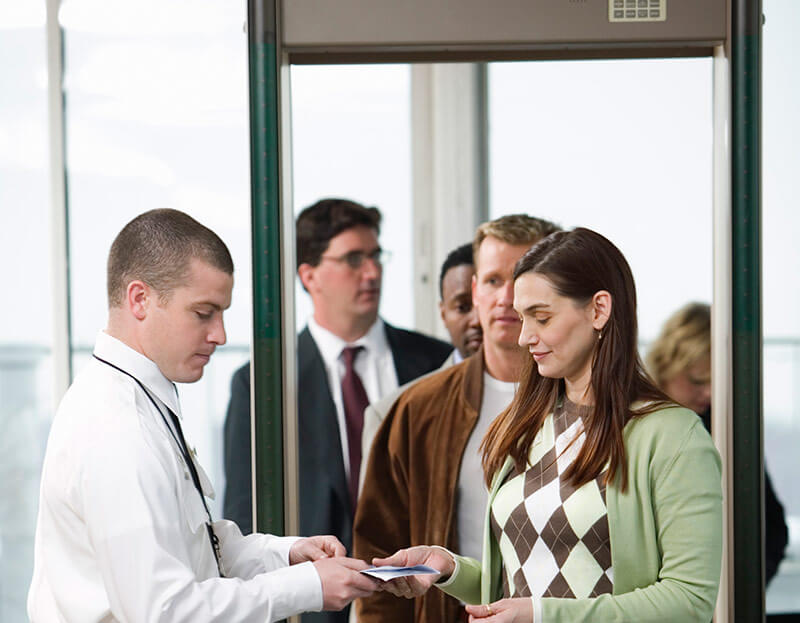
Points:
[390,572]
[415,584]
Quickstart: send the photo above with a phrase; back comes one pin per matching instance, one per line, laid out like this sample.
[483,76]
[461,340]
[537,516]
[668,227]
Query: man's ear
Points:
[138,298]
[602,303]
[306,273]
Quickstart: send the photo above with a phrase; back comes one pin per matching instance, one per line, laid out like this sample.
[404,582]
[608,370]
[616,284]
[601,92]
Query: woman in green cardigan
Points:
[605,501]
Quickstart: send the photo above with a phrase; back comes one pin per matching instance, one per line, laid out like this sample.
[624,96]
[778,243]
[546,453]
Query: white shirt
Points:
[121,533]
[374,364]
[472,492]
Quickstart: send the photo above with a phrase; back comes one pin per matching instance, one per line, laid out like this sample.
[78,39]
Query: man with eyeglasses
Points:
[347,357]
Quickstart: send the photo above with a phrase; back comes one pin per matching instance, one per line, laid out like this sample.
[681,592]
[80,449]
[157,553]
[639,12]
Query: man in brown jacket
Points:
[424,481]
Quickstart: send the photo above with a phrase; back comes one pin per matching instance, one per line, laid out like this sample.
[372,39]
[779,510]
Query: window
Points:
[156,117]
[781,296]
[351,138]
[26,360]
[621,147]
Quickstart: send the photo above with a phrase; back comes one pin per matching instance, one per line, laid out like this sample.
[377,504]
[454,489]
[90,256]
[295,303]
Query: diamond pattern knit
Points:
[553,538]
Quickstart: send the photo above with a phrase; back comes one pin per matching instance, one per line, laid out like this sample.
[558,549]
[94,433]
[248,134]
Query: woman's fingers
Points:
[484,613]
[517,610]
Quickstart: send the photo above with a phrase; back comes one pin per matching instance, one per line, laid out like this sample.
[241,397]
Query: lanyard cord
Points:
[187,457]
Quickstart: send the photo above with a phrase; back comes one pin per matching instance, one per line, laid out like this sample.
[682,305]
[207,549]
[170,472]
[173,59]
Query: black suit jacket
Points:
[324,500]
[776,532]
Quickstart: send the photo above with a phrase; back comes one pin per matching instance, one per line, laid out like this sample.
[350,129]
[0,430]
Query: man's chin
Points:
[369,310]
[189,376]
[506,337]
[471,347]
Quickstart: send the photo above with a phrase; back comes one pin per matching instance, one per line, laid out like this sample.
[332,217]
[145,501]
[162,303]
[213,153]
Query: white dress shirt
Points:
[375,366]
[121,532]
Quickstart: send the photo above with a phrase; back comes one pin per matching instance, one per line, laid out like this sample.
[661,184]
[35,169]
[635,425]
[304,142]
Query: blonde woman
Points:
[680,362]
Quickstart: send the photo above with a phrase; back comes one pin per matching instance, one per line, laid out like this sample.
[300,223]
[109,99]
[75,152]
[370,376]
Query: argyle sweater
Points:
[552,536]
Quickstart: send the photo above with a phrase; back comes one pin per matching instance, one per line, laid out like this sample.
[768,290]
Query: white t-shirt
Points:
[472,492]
[121,533]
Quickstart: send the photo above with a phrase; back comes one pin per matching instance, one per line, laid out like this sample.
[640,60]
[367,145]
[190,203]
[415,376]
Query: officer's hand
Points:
[342,582]
[315,547]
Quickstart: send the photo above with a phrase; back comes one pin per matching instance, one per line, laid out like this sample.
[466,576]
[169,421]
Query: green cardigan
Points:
[666,532]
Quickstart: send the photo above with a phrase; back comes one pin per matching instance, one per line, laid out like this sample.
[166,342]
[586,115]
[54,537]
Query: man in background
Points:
[347,357]
[459,315]
[424,479]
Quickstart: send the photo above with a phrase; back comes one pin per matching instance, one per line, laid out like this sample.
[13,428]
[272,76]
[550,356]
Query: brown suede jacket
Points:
[409,492]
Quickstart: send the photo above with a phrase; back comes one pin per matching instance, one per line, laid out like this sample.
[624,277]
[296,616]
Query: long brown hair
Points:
[578,264]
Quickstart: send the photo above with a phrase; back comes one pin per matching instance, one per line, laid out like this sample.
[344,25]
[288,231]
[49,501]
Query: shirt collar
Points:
[331,346]
[146,371]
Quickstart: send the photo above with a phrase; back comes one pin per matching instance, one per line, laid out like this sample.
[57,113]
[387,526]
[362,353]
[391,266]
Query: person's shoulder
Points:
[242,375]
[386,402]
[431,398]
[408,338]
[308,353]
[667,426]
[432,386]
[100,404]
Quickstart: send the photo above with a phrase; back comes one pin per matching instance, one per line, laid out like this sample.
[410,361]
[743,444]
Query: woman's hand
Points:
[519,610]
[416,585]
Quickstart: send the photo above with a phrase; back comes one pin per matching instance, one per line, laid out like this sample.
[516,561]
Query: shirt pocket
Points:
[205,481]
[193,508]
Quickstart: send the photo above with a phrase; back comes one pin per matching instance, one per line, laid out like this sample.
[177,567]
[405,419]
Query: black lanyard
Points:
[187,457]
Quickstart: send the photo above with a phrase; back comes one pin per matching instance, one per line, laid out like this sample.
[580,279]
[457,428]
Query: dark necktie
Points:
[355,401]
[187,455]
[177,435]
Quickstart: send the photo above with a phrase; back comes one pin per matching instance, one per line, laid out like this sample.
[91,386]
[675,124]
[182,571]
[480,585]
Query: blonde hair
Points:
[513,229]
[684,340]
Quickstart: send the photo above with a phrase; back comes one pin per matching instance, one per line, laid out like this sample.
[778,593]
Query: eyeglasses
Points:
[355,259]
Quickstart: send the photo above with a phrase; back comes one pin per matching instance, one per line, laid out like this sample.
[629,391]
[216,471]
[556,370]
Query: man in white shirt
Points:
[347,357]
[124,532]
[423,482]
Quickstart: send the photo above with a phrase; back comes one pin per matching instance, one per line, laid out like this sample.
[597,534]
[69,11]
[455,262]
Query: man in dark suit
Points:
[347,357]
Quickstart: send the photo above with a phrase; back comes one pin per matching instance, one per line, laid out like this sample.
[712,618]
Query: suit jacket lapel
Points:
[406,364]
[318,421]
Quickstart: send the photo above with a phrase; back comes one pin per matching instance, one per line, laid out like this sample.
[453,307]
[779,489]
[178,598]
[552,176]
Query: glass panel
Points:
[622,147]
[351,138]
[157,117]
[26,363]
[781,230]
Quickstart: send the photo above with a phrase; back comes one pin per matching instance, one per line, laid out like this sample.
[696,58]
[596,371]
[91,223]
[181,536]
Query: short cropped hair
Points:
[513,229]
[327,218]
[157,248]
[684,340]
[460,256]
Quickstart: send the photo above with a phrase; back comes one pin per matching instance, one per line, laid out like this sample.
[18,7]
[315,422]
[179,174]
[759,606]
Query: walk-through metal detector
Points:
[285,32]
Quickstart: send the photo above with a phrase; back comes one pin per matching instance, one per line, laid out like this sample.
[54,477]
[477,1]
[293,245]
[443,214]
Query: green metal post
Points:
[748,478]
[267,364]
